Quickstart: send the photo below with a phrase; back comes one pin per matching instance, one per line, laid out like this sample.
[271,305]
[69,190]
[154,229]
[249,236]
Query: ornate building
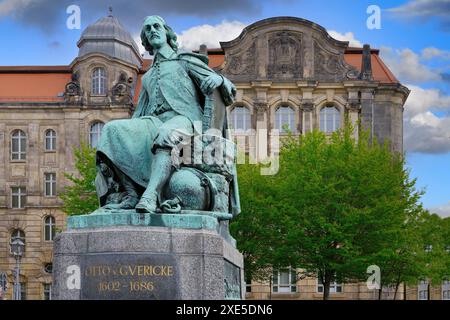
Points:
[288,71]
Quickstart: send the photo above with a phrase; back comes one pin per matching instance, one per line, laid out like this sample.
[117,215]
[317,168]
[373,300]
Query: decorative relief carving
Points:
[242,63]
[307,106]
[331,66]
[121,92]
[353,105]
[72,91]
[285,58]
[261,108]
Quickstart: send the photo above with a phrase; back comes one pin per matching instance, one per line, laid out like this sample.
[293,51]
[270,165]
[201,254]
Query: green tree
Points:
[335,207]
[80,197]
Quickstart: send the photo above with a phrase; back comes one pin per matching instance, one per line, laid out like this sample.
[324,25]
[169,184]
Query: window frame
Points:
[21,234]
[51,183]
[323,118]
[445,294]
[50,140]
[333,287]
[51,227]
[290,286]
[99,81]
[291,114]
[422,287]
[97,132]
[47,290]
[22,145]
[20,197]
[246,120]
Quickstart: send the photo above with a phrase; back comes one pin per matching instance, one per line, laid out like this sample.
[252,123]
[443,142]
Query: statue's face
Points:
[155,33]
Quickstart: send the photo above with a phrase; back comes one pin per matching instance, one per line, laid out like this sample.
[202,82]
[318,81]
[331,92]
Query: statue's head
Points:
[155,33]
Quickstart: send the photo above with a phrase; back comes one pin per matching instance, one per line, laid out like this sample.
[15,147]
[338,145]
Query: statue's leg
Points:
[161,170]
[171,133]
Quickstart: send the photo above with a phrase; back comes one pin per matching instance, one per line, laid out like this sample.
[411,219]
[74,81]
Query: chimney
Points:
[203,49]
[366,67]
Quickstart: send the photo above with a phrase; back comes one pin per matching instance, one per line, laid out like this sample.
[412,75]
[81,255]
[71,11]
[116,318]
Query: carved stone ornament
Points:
[72,90]
[121,92]
[261,107]
[285,58]
[331,66]
[242,63]
[307,106]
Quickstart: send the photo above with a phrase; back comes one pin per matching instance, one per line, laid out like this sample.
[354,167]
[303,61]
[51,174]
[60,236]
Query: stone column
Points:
[262,127]
[354,108]
[367,110]
[308,119]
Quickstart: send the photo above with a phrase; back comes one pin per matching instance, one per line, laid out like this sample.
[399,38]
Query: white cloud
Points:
[10,6]
[349,36]
[442,210]
[421,100]
[423,130]
[192,38]
[432,52]
[406,65]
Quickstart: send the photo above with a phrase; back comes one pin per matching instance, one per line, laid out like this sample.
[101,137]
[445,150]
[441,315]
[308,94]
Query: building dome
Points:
[109,37]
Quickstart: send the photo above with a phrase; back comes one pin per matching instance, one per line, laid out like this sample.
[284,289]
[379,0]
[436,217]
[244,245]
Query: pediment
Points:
[286,49]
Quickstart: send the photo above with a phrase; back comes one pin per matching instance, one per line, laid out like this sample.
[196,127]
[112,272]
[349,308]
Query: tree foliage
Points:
[80,197]
[335,207]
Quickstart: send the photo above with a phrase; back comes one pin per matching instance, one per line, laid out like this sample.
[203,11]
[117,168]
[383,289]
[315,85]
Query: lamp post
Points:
[17,249]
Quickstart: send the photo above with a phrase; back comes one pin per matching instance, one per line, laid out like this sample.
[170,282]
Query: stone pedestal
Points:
[146,262]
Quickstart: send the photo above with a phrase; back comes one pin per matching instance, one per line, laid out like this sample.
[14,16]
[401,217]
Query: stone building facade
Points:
[288,71]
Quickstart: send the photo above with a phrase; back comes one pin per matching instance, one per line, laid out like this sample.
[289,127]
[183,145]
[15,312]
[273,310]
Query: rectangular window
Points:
[50,184]
[18,197]
[334,287]
[23,291]
[422,289]
[446,290]
[47,291]
[284,281]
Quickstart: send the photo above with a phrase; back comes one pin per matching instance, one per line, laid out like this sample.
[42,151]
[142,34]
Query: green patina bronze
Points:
[146,176]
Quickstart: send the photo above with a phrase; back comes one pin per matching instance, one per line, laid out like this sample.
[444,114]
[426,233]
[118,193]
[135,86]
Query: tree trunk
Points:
[396,290]
[326,290]
[404,291]
[396,287]
[380,291]
[326,285]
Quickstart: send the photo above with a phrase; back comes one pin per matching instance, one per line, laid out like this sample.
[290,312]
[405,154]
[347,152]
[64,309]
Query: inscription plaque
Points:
[129,276]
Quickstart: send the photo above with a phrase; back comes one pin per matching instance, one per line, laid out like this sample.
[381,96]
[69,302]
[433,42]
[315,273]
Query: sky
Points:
[413,38]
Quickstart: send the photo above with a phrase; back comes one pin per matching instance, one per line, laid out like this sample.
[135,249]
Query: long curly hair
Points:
[171,36]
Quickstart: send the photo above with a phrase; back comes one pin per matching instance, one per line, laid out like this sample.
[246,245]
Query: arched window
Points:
[285,117]
[330,119]
[18,145]
[50,140]
[99,81]
[240,119]
[49,228]
[95,133]
[17,233]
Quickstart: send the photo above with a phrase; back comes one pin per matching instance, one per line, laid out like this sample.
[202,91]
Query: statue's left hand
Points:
[210,83]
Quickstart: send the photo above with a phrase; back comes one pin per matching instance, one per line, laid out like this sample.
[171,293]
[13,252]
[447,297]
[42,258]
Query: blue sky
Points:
[414,43]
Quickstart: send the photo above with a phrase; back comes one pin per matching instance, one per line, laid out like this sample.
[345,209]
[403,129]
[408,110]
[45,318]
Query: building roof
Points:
[109,37]
[47,83]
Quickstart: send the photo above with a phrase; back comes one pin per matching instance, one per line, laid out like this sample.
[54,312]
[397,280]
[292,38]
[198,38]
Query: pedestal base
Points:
[141,262]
